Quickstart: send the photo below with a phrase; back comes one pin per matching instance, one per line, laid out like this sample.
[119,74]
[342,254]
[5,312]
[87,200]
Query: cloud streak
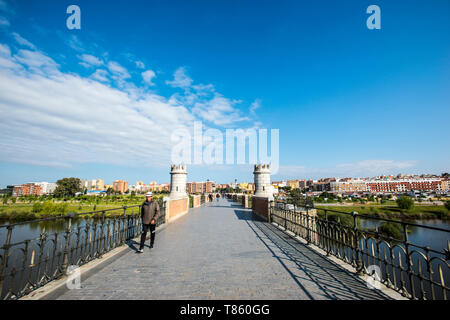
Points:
[363,168]
[55,118]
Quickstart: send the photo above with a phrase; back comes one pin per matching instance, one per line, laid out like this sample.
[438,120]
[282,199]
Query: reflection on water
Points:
[421,236]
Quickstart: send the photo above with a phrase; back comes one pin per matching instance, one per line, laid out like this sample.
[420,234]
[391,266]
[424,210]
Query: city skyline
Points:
[91,183]
[102,101]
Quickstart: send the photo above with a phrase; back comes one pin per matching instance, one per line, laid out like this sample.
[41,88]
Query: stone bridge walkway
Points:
[220,251]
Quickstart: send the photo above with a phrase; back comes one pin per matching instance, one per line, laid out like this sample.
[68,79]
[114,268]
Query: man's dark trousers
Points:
[145,229]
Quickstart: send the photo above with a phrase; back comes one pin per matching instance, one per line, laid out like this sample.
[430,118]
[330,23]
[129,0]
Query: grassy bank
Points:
[393,212]
[18,214]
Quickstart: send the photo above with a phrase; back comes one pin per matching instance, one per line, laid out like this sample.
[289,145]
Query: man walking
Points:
[149,216]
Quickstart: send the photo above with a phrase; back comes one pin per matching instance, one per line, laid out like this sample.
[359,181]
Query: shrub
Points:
[344,219]
[51,209]
[393,230]
[447,205]
[442,214]
[37,207]
[405,203]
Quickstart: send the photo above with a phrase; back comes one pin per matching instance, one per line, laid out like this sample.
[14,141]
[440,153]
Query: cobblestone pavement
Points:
[221,251]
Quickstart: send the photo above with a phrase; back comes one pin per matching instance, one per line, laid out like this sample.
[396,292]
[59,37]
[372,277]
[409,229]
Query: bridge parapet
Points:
[176,208]
[414,271]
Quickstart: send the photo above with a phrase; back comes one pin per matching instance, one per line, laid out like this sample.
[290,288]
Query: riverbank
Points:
[21,213]
[420,212]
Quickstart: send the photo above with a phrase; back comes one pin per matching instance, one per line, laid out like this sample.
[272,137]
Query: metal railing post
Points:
[65,263]
[269,217]
[125,225]
[5,258]
[327,234]
[359,266]
[308,240]
[101,245]
[409,260]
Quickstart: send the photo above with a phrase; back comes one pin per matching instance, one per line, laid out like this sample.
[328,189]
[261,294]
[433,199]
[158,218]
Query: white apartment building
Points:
[390,185]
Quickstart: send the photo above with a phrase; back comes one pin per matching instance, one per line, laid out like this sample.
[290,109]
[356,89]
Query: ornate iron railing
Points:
[28,264]
[415,271]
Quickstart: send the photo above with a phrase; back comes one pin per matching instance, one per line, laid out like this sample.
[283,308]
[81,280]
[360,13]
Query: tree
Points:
[447,205]
[67,187]
[406,203]
[296,198]
[325,195]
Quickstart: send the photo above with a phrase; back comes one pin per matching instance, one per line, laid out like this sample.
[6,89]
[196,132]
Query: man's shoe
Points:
[151,245]
[140,251]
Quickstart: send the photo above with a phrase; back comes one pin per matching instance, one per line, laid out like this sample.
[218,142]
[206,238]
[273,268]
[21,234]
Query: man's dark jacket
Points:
[149,211]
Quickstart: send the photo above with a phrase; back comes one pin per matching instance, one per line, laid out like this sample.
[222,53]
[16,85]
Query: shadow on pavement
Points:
[306,265]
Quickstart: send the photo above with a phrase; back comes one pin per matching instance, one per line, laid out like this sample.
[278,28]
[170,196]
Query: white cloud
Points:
[100,75]
[140,64]
[5,7]
[22,41]
[180,79]
[364,168]
[36,61]
[59,118]
[4,50]
[4,22]
[148,76]
[255,105]
[119,72]
[219,110]
[55,118]
[205,102]
[75,43]
[90,61]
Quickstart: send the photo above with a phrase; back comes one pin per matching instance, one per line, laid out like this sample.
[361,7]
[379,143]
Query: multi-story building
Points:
[210,187]
[445,184]
[29,189]
[425,184]
[7,191]
[120,186]
[93,185]
[100,185]
[294,184]
[279,184]
[348,186]
[46,187]
[201,187]
[302,184]
[154,187]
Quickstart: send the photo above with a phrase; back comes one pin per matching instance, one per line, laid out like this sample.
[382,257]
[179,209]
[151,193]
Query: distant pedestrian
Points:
[210,197]
[217,197]
[149,216]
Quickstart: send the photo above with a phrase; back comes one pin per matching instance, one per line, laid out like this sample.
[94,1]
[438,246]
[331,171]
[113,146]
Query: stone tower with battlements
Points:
[178,179]
[263,187]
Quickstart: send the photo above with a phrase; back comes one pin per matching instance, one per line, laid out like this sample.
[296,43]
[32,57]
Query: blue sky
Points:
[102,102]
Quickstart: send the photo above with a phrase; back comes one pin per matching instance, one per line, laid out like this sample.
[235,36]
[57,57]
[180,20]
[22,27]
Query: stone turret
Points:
[263,187]
[178,178]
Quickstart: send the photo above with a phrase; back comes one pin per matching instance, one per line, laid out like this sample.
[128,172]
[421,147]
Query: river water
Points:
[434,239]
